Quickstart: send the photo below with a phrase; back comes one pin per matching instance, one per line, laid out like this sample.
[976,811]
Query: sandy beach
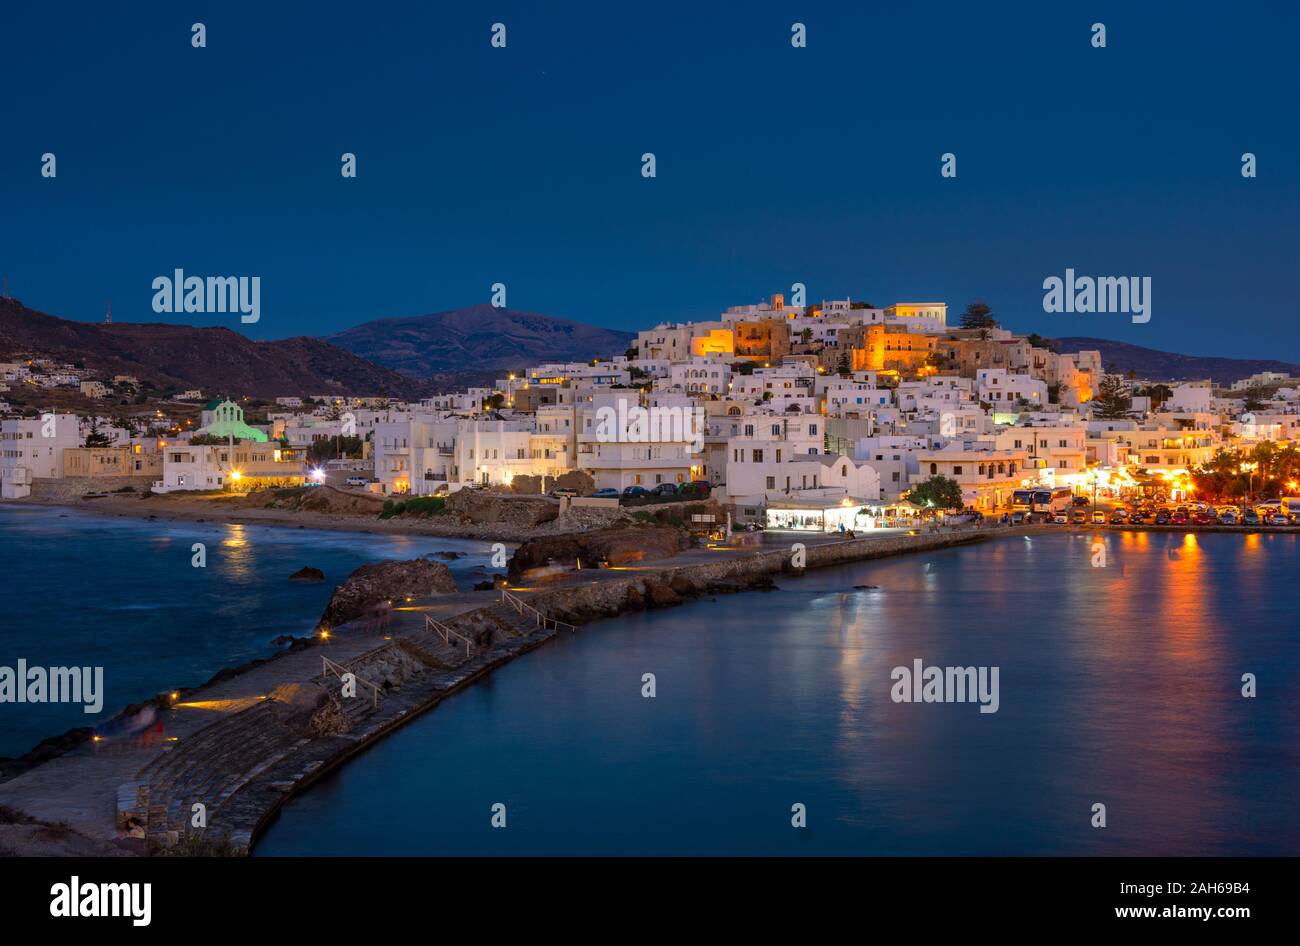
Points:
[239,509]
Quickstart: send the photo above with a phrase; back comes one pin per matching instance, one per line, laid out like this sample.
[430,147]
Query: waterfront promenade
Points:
[241,746]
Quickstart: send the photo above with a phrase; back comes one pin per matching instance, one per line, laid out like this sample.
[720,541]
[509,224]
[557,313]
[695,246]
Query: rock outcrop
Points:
[484,508]
[617,545]
[308,575]
[384,582]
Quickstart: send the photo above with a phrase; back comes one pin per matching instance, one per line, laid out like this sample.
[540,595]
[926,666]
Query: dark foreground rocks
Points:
[308,575]
[384,582]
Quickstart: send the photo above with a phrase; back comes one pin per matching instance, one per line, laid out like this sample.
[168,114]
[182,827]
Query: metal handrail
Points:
[543,621]
[339,670]
[446,633]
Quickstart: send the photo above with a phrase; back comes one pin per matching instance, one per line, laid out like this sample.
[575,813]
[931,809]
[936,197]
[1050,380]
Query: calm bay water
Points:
[88,590]
[1119,685]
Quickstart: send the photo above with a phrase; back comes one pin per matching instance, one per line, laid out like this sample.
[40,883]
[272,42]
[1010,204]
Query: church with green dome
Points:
[225,419]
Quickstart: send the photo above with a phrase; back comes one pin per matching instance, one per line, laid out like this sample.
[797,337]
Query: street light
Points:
[1249,468]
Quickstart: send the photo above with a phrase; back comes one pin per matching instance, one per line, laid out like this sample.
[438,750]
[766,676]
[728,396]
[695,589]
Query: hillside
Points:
[479,340]
[213,359]
[1122,358]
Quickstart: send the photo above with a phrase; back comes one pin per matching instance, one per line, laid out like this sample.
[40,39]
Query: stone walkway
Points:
[212,743]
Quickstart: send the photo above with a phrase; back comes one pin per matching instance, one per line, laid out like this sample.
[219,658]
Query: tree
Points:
[806,336]
[845,366]
[1255,399]
[938,492]
[1039,342]
[1159,393]
[96,438]
[331,448]
[1113,400]
[978,315]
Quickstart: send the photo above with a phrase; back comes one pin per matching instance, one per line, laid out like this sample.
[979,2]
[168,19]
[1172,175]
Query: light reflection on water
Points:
[1119,685]
[89,590]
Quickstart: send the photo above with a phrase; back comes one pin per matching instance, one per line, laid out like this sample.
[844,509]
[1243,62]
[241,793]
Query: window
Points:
[771,482]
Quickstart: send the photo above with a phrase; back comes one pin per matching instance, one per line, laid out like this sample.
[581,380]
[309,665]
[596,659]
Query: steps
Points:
[208,768]
[519,625]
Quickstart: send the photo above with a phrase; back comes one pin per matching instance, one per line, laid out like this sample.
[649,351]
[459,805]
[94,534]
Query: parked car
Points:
[607,493]
[1138,518]
[357,481]
[635,492]
[1250,518]
[1079,517]
[1080,500]
[1162,517]
[1098,517]
[664,489]
[1118,517]
[1277,519]
[696,489]
[1060,518]
[1205,518]
[1019,517]
[1228,517]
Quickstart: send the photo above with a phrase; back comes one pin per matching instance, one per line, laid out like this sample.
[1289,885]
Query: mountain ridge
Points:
[479,338]
[1123,357]
[212,358]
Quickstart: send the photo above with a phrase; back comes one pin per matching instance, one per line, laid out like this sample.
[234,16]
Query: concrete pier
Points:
[239,748]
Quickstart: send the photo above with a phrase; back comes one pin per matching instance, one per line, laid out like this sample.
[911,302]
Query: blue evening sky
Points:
[775,165]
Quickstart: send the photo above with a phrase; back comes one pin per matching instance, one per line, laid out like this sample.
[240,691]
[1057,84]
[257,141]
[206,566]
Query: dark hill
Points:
[1122,358]
[213,359]
[480,338]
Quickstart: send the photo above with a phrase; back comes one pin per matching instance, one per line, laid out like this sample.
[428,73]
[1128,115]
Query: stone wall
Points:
[63,490]
[611,596]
